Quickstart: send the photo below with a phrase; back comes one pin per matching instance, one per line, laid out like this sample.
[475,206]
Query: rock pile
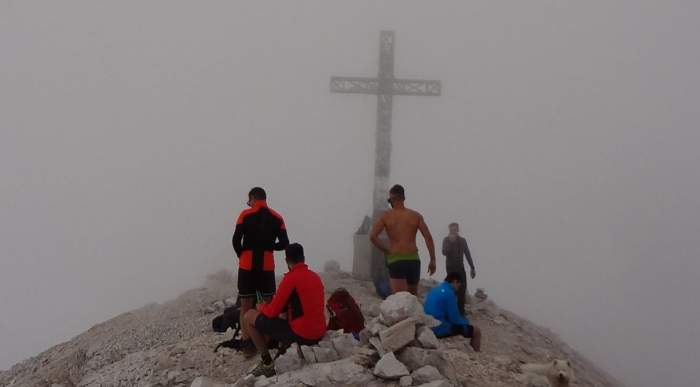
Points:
[397,345]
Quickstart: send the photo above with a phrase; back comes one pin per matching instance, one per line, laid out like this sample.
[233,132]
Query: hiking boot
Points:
[267,370]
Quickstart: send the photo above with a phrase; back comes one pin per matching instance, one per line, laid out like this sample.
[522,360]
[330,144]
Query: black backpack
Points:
[231,318]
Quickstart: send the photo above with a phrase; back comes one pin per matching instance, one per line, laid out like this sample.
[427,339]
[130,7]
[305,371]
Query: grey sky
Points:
[565,143]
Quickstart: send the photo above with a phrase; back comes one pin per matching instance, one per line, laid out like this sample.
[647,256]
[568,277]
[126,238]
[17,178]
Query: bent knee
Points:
[250,316]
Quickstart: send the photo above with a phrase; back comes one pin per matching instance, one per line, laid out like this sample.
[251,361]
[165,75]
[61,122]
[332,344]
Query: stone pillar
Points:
[362,257]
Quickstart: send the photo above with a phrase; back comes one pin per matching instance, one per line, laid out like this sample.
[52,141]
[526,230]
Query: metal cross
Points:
[384,86]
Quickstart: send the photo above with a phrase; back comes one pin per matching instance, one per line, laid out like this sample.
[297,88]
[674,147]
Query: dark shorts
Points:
[408,270]
[467,331]
[279,329]
[250,282]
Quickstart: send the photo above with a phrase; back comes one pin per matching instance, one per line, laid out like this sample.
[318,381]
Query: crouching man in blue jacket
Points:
[441,303]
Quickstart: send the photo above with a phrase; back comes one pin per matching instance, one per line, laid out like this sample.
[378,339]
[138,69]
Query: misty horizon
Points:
[564,143]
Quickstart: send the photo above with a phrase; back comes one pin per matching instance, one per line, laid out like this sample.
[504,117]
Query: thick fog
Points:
[565,144]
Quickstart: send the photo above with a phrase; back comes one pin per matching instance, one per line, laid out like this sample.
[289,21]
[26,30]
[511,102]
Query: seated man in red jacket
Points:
[300,296]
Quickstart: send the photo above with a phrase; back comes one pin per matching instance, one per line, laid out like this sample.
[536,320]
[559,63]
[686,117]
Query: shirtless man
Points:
[401,225]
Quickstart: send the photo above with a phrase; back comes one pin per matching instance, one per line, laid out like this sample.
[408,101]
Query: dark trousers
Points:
[462,293]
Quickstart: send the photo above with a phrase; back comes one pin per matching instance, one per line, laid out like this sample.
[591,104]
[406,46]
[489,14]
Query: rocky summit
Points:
[172,344]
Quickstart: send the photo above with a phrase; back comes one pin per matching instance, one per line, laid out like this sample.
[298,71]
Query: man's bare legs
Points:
[246,305]
[398,285]
[248,322]
[475,342]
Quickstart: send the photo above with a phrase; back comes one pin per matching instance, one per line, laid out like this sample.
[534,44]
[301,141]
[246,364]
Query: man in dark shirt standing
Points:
[259,231]
[454,248]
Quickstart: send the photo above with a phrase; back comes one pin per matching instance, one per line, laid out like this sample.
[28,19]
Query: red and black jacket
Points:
[259,231]
[300,294]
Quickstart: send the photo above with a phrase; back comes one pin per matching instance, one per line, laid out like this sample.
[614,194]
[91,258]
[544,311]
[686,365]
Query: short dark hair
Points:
[398,191]
[294,253]
[257,193]
[453,276]
[453,224]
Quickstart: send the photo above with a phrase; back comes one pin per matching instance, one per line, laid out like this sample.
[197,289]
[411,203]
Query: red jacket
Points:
[300,294]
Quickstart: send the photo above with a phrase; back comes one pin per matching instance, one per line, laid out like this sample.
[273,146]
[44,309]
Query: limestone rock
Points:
[377,344]
[325,355]
[364,356]
[400,306]
[429,321]
[436,383]
[388,367]
[344,344]
[308,353]
[426,374]
[427,339]
[398,335]
[205,382]
[365,335]
[374,310]
[376,327]
[290,361]
[414,357]
[262,382]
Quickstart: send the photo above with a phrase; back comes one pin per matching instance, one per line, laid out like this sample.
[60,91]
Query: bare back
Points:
[401,227]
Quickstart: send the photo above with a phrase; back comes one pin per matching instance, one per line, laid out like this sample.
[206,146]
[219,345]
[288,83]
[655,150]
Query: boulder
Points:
[344,344]
[331,267]
[374,310]
[426,374]
[414,357]
[400,306]
[377,344]
[325,355]
[436,383]
[388,367]
[365,335]
[308,353]
[263,381]
[427,339]
[364,356]
[406,381]
[343,372]
[290,361]
[205,382]
[398,335]
[375,328]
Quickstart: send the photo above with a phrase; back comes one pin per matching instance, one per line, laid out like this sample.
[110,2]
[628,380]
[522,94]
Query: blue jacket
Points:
[441,303]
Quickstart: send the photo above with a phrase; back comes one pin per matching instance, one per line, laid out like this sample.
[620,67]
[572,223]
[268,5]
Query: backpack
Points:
[344,312]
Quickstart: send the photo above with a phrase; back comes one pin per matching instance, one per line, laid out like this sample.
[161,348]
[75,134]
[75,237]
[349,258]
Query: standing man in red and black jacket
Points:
[259,231]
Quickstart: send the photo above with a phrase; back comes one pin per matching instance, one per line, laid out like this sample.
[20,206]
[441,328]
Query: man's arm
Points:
[468,255]
[428,242]
[282,237]
[374,235]
[279,300]
[445,249]
[237,239]
[453,315]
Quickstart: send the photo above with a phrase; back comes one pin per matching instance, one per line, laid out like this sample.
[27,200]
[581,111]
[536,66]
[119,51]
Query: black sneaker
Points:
[267,370]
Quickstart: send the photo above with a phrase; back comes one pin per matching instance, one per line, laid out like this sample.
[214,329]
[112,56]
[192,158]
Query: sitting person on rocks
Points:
[441,303]
[299,295]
